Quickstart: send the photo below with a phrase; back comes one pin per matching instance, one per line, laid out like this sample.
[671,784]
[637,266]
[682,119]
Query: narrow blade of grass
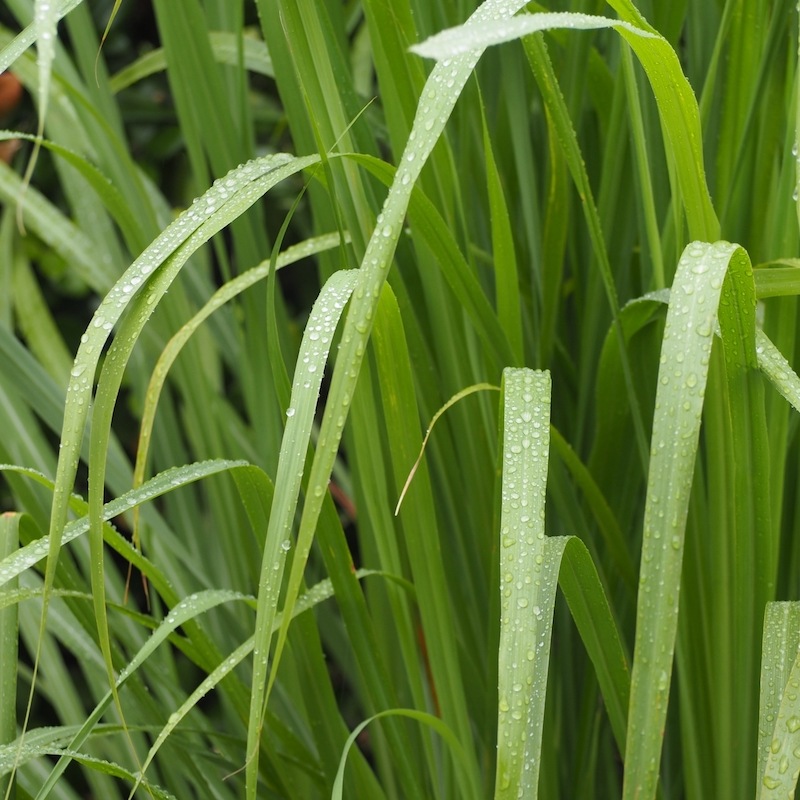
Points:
[681,118]
[224,45]
[9,638]
[527,585]
[505,259]
[598,629]
[460,756]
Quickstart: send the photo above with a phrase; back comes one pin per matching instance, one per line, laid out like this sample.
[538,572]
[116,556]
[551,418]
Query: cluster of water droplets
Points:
[45,18]
[314,350]
[320,328]
[237,182]
[194,604]
[783,756]
[686,347]
[778,732]
[438,99]
[31,554]
[778,369]
[523,582]
[191,606]
[683,371]
[475,36]
[319,592]
[46,741]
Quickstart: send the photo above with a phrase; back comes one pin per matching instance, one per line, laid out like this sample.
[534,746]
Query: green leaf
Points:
[779,715]
[460,757]
[225,47]
[9,638]
[683,373]
[527,584]
[311,361]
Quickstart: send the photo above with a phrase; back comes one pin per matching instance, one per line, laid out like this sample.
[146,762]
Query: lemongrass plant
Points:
[251,251]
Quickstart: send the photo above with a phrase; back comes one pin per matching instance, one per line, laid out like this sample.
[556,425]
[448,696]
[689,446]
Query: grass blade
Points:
[460,757]
[31,554]
[527,584]
[224,45]
[680,116]
[505,259]
[9,638]
[683,374]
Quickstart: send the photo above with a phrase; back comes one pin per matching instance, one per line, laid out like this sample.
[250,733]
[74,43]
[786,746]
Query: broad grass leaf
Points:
[683,373]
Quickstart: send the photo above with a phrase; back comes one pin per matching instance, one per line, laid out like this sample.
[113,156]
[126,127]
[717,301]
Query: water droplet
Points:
[290,412]
[699,267]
